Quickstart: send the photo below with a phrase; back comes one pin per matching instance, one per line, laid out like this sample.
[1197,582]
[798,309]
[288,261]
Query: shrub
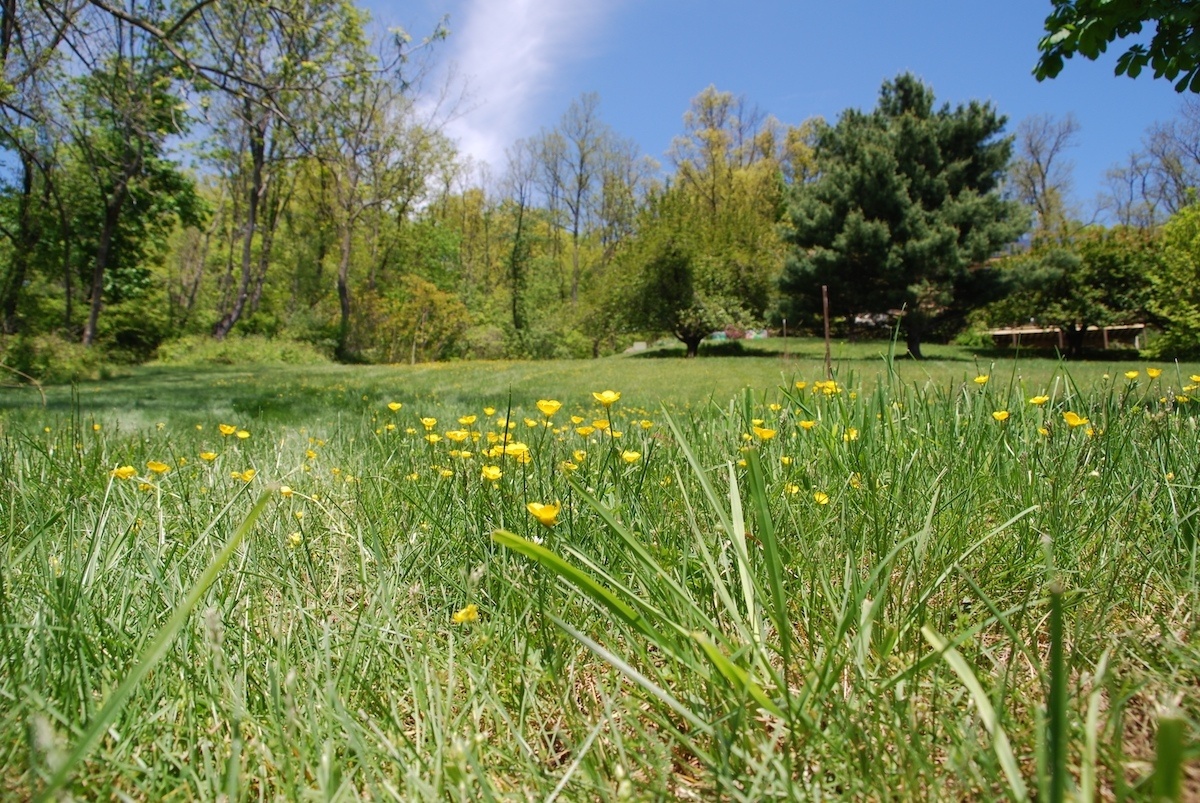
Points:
[52,359]
[250,350]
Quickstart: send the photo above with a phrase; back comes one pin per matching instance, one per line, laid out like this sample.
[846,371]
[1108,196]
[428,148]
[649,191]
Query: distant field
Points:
[151,394]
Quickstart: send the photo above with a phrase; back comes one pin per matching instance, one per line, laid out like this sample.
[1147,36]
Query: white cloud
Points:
[508,52]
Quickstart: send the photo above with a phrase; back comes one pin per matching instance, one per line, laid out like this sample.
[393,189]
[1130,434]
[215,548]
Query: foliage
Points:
[1176,287]
[50,358]
[248,350]
[905,202]
[1088,27]
[1100,278]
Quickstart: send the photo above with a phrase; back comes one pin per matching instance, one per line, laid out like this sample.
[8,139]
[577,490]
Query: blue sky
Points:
[524,61]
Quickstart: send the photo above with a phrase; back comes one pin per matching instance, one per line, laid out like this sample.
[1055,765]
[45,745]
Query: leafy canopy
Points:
[1088,27]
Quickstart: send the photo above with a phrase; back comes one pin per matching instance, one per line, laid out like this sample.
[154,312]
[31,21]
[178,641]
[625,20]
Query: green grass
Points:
[909,599]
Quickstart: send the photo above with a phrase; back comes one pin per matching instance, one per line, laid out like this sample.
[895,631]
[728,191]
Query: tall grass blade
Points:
[736,676]
[154,652]
[1000,743]
[1168,757]
[1056,715]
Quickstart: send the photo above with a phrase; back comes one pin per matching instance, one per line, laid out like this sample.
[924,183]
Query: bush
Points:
[250,350]
[52,359]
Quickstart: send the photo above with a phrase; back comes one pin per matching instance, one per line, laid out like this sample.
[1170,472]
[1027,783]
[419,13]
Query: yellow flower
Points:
[157,467]
[851,434]
[547,515]
[773,407]
[310,454]
[580,455]
[124,472]
[446,472]
[515,449]
[457,435]
[1132,374]
[466,615]
[227,429]
[585,431]
[981,380]
[95,427]
[630,456]
[1045,433]
[801,385]
[1195,377]
[394,406]
[1182,399]
[467,420]
[821,498]
[242,434]
[607,397]
[576,419]
[646,423]
[244,476]
[1000,415]
[763,433]
[294,540]
[428,423]
[785,460]
[433,437]
[389,428]
[489,411]
[791,488]
[1073,419]
[208,456]
[1154,373]
[807,425]
[285,491]
[529,422]
[1038,401]
[548,406]
[600,424]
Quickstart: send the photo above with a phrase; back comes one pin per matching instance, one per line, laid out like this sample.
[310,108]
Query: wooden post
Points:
[785,353]
[825,308]
[1104,337]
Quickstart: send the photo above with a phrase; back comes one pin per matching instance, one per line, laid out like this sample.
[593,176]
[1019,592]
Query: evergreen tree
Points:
[904,204]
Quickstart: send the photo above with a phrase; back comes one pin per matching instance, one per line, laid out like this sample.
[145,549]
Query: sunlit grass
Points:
[891,585]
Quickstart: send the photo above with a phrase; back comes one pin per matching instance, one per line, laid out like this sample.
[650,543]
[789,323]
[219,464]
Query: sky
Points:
[522,62]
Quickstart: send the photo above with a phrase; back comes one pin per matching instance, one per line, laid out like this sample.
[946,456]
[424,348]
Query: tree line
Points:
[218,169]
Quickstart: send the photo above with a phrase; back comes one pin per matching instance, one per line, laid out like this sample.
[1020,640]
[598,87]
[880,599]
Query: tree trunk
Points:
[112,216]
[343,288]
[1075,334]
[28,233]
[257,158]
[913,329]
[693,344]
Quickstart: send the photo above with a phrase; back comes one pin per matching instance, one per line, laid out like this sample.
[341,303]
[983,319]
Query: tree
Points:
[1040,176]
[1101,278]
[1176,287]
[1088,27]
[904,205]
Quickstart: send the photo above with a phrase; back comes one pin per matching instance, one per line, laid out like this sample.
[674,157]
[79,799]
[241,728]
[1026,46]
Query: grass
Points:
[877,591]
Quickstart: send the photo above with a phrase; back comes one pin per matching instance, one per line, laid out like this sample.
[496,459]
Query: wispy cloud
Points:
[508,52]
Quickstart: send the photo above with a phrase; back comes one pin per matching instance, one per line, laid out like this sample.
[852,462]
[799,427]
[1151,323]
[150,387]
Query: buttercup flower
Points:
[243,434]
[630,456]
[244,476]
[548,406]
[466,615]
[1131,375]
[1073,419]
[547,515]
[428,423]
[607,397]
[1038,401]
[227,429]
[821,498]
[467,420]
[208,456]
[1000,415]
[763,433]
[394,406]
[457,435]
[157,467]
[285,491]
[807,425]
[981,380]
[124,472]
[1154,373]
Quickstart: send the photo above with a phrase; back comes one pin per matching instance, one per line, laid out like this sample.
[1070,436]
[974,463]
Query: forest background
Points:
[247,180]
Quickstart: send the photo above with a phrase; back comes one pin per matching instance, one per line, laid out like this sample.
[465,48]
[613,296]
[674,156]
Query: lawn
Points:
[918,581]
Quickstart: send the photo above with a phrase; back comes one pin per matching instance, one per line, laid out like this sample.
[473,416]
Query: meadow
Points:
[727,578]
